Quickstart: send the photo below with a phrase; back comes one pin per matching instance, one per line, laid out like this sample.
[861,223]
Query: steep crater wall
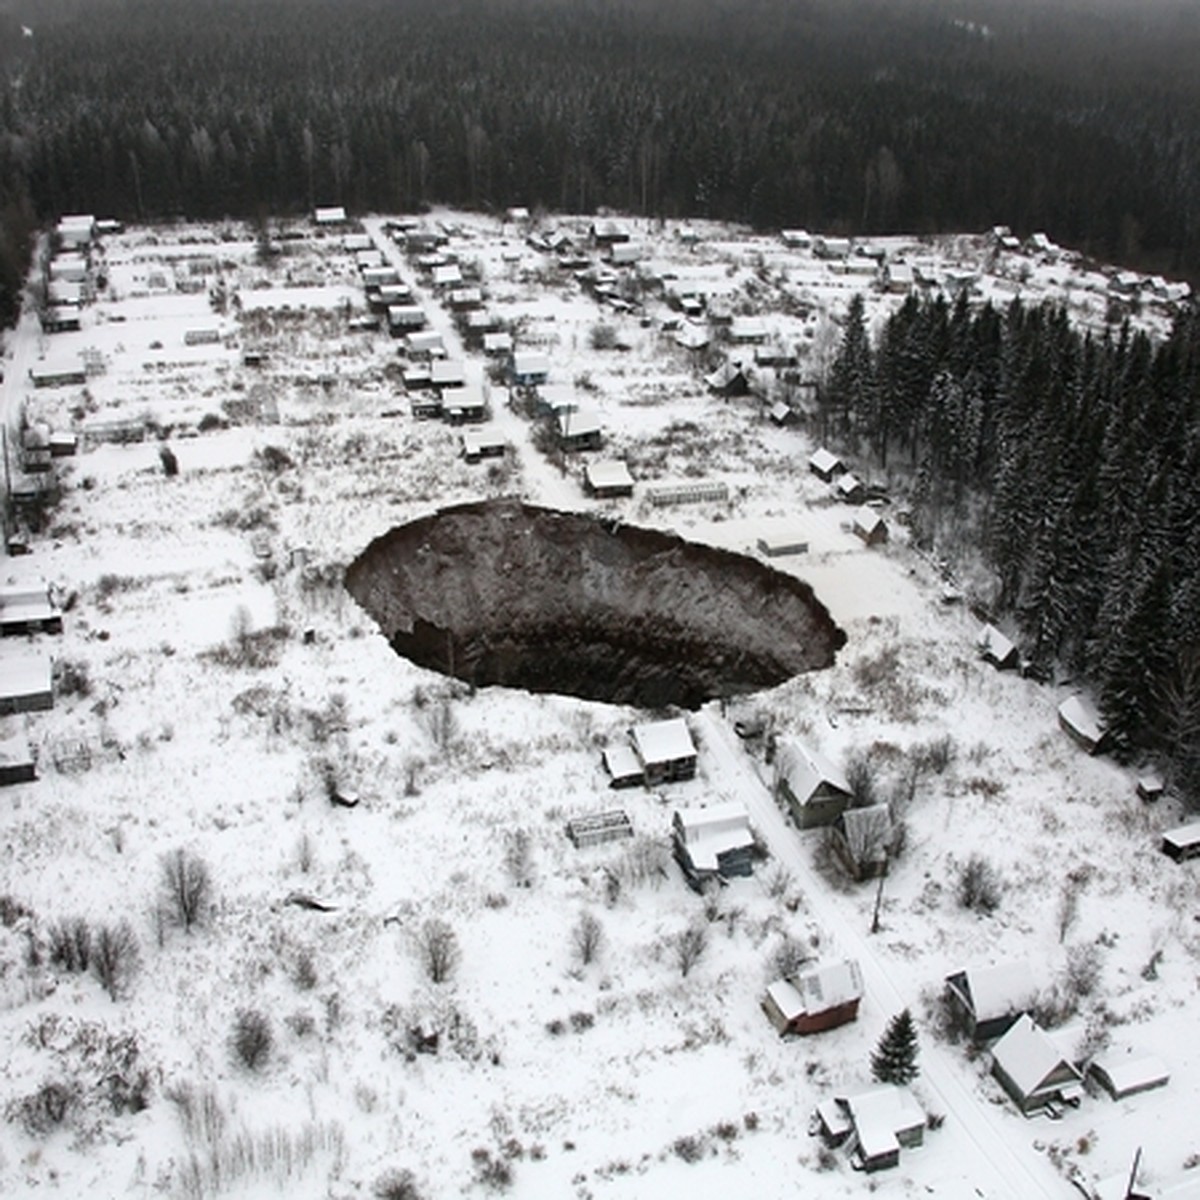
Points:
[499,592]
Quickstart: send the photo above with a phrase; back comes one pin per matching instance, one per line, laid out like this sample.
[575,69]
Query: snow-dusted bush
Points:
[688,947]
[787,958]
[46,1108]
[518,857]
[587,938]
[438,949]
[116,957]
[252,1039]
[69,944]
[980,887]
[397,1185]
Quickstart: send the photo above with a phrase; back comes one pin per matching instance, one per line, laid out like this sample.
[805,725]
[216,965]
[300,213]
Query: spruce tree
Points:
[895,1057]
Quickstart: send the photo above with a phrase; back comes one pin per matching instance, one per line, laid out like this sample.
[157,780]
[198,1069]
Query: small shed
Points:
[873,1125]
[729,379]
[1150,786]
[478,444]
[624,254]
[665,750]
[496,345]
[778,542]
[1029,1066]
[831,247]
[580,430]
[817,999]
[424,345]
[329,215]
[826,465]
[862,839]
[607,479]
[1182,842]
[1122,1075]
[1078,719]
[63,443]
[870,526]
[17,763]
[596,829]
[796,239]
[26,683]
[987,1000]
[814,789]
[713,844]
[447,276]
[608,233]
[622,765]
[849,488]
[996,649]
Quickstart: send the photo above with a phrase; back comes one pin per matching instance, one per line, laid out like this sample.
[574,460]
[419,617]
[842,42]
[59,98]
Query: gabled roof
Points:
[998,990]
[709,832]
[663,741]
[824,461]
[806,770]
[993,644]
[1080,714]
[867,519]
[609,474]
[828,986]
[879,1115]
[579,424]
[1028,1056]
[621,762]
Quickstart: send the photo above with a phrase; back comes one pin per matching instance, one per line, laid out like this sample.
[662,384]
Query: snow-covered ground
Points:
[198,728]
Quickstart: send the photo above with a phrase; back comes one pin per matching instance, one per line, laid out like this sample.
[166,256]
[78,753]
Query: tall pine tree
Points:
[895,1057]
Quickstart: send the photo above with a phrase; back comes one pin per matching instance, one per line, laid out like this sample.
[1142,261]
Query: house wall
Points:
[831,1018]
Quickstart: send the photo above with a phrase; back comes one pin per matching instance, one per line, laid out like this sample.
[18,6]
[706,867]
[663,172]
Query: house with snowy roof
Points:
[826,465]
[1124,1074]
[1031,1068]
[987,1000]
[713,844]
[608,479]
[814,789]
[873,1125]
[665,750]
[996,649]
[1079,720]
[816,999]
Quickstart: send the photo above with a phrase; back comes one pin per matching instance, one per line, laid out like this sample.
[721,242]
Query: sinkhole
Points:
[500,592]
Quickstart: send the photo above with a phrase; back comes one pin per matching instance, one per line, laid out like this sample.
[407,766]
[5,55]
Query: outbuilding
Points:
[1078,719]
[26,684]
[826,465]
[870,527]
[996,649]
[873,1125]
[478,445]
[29,608]
[1182,842]
[580,431]
[607,480]
[530,368]
[17,763]
[1123,1075]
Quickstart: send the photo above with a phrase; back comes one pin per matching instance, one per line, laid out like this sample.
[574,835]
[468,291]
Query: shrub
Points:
[689,1147]
[863,778]
[582,1021]
[252,1039]
[980,887]
[1083,970]
[397,1185]
[587,938]
[304,972]
[186,887]
[72,678]
[437,945]
[69,944]
[491,1170]
[45,1109]
[170,463]
[689,946]
[116,957]
[788,957]
[518,857]
[602,337]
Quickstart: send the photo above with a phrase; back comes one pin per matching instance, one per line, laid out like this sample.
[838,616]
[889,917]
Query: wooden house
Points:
[996,649]
[448,373]
[624,254]
[782,414]
[478,445]
[463,405]
[692,336]
[1031,1068]
[529,368]
[61,318]
[665,750]
[63,443]
[849,488]
[29,608]
[26,684]
[729,379]
[580,431]
[826,465]
[1150,786]
[498,344]
[872,1126]
[831,248]
[607,233]
[418,376]
[76,230]
[607,480]
[463,299]
[447,276]
[17,763]
[796,239]
[58,375]
[747,331]
[816,999]
[780,542]
[862,838]
[1182,842]
[987,1000]
[713,844]
[1123,1075]
[815,791]
[424,346]
[869,526]
[369,258]
[404,318]
[329,216]
[1078,719]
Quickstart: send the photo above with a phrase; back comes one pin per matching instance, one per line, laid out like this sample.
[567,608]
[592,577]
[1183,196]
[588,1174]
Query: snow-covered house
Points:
[665,750]
[624,254]
[1031,1068]
[692,336]
[1078,719]
[329,215]
[814,789]
[873,1125]
[1182,842]
[831,247]
[729,379]
[826,465]
[25,682]
[580,430]
[529,368]
[996,649]
[796,239]
[862,839]
[748,331]
[622,765]
[608,233]
[816,999]
[447,276]
[987,1000]
[869,526]
[405,317]
[498,344]
[29,608]
[16,760]
[447,373]
[607,479]
[849,488]
[478,444]
[712,844]
[463,405]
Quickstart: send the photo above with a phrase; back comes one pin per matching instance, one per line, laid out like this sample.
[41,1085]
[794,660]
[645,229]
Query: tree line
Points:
[862,117]
[1068,463]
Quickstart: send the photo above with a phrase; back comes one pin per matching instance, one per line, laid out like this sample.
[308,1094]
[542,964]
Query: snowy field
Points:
[221,684]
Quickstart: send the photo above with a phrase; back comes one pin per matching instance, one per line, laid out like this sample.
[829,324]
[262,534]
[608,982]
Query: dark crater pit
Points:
[498,592]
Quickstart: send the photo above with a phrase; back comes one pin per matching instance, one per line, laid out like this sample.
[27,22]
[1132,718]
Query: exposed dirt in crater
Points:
[498,592]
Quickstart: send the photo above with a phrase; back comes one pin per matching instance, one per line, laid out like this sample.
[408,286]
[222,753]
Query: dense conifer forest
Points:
[1080,118]
[1071,463]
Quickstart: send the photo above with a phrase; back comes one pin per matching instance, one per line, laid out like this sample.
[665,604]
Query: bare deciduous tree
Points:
[438,947]
[115,957]
[587,937]
[689,946]
[186,887]
[518,857]
[252,1039]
